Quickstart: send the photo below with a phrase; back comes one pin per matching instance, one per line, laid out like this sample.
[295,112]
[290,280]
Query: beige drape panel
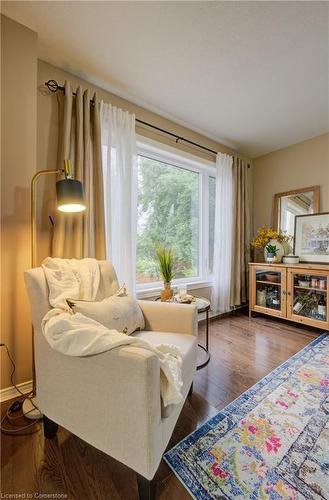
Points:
[241,230]
[82,234]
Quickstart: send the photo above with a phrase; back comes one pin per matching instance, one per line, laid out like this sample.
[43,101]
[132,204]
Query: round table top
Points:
[202,304]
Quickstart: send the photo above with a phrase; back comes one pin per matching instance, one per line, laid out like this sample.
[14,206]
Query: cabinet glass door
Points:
[309,296]
[269,296]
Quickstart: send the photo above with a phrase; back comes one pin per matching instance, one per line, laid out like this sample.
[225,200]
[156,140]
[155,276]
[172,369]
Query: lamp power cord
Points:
[10,416]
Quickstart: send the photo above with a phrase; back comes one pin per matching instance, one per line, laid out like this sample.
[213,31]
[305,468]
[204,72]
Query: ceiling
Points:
[252,75]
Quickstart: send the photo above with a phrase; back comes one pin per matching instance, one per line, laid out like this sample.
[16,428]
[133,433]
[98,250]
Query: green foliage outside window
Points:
[168,216]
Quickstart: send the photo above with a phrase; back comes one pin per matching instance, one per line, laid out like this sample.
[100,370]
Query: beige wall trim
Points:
[10,392]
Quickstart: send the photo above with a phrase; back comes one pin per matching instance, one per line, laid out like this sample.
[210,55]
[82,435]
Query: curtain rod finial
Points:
[52,85]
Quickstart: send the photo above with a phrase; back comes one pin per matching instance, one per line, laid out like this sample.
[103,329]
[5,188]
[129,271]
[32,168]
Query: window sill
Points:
[149,293]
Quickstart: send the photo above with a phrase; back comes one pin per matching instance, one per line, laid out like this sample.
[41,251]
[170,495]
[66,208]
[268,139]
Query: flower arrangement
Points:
[266,234]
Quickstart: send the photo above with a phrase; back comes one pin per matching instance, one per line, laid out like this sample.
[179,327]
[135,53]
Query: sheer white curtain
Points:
[221,289]
[120,190]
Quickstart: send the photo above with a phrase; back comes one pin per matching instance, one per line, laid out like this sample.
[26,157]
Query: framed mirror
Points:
[287,205]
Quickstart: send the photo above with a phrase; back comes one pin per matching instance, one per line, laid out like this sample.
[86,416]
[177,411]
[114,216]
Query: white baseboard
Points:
[11,392]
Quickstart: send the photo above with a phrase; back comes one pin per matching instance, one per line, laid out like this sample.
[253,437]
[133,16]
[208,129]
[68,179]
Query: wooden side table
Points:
[203,306]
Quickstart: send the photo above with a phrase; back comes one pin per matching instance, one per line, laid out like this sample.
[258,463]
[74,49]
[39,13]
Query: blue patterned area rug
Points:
[270,443]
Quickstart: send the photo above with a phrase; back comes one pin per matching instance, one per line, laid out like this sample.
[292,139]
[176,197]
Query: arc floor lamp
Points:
[70,199]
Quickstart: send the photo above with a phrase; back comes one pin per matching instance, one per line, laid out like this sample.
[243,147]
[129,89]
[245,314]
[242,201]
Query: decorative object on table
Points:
[182,290]
[290,259]
[70,199]
[276,248]
[311,241]
[166,265]
[279,239]
[271,251]
[184,299]
[252,448]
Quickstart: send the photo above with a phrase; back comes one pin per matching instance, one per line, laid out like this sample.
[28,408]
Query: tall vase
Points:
[167,292]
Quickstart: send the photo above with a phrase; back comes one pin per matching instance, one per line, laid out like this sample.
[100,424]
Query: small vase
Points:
[167,292]
[270,257]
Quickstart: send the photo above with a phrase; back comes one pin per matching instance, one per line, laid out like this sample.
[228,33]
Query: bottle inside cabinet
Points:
[268,292]
[310,296]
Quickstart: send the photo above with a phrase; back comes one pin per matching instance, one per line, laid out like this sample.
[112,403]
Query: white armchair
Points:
[112,400]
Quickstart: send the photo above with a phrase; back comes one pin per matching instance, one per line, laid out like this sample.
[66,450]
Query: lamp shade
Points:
[70,196]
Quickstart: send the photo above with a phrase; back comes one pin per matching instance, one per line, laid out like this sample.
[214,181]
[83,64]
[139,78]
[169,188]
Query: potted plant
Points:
[271,251]
[166,264]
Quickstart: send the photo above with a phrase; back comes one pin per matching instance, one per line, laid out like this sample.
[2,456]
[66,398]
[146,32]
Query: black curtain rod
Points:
[54,87]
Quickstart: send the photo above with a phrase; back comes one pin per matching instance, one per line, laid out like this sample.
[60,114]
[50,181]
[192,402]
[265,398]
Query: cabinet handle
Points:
[289,293]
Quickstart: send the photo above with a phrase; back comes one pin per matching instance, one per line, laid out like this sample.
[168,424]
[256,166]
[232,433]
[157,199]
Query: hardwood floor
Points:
[243,351]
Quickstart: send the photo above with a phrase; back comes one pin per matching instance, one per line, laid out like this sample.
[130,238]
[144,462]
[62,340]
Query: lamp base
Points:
[29,411]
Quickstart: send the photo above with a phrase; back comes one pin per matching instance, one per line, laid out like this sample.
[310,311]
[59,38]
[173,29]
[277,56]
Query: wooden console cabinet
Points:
[296,292]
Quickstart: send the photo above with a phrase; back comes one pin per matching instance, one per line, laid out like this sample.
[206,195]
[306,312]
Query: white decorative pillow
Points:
[119,312]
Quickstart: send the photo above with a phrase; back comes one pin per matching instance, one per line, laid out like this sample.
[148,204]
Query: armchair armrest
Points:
[110,400]
[168,317]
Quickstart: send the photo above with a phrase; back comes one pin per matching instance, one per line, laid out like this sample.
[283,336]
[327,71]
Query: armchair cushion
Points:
[185,343]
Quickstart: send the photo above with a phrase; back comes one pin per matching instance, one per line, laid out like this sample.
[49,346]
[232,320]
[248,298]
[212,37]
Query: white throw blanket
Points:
[77,335]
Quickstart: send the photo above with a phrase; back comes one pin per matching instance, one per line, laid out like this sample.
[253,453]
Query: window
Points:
[176,207]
